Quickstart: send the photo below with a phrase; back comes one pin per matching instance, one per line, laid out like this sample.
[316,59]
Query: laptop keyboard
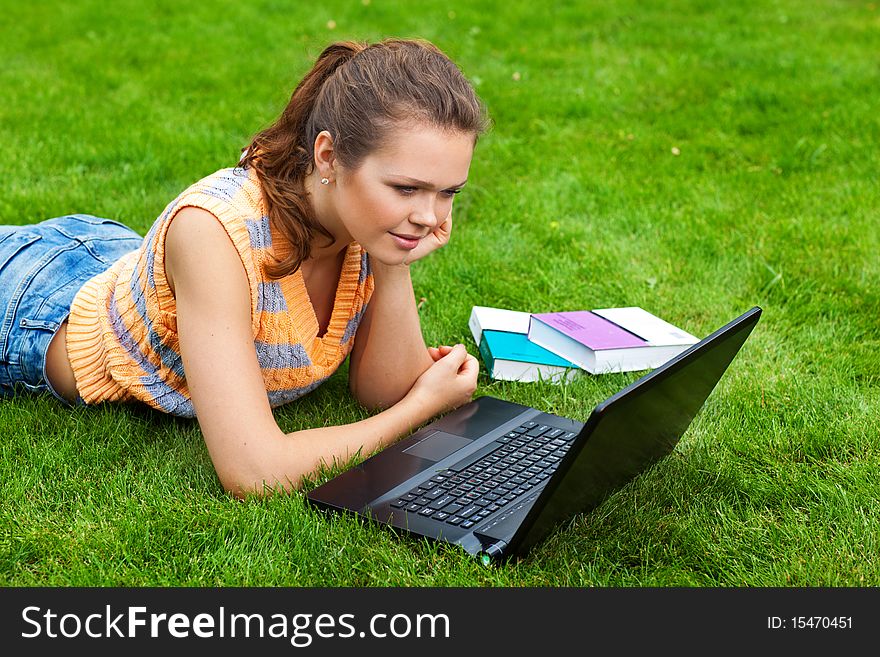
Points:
[482,484]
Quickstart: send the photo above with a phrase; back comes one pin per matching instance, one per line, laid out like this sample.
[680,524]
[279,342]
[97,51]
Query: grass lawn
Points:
[694,158]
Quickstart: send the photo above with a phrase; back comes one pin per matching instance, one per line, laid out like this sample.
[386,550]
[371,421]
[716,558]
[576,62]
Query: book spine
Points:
[488,360]
[476,330]
[546,336]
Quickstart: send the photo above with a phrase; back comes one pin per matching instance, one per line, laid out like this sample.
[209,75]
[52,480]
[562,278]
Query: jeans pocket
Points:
[34,336]
[37,280]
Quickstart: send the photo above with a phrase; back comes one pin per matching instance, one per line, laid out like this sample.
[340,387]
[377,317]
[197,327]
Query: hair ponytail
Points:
[281,155]
[392,81]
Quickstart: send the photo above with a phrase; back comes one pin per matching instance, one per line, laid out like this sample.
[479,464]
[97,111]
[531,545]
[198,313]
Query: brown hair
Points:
[357,92]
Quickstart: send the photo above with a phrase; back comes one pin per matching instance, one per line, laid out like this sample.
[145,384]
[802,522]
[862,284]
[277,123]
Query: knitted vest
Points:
[122,330]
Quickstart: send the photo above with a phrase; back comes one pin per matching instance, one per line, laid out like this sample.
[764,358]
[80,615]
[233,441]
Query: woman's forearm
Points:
[389,352]
[286,461]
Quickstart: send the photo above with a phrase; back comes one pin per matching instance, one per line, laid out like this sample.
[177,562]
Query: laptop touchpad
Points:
[437,446]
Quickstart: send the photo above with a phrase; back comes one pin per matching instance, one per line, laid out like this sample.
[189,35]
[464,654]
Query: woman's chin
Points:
[389,258]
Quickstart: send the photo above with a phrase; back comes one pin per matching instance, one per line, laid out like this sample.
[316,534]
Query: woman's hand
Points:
[431,242]
[449,382]
[439,352]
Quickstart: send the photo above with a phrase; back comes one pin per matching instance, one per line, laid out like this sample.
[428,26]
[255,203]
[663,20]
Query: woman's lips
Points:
[408,242]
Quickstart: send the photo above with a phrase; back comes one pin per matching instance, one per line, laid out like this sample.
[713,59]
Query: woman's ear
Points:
[325,155]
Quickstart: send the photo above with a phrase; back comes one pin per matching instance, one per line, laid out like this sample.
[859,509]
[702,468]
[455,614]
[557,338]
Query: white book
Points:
[650,328]
[484,318]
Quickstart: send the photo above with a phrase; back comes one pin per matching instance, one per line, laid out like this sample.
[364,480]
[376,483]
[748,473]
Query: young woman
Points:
[257,282]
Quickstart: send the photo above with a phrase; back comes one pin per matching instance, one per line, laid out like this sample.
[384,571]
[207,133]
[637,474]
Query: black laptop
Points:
[496,477]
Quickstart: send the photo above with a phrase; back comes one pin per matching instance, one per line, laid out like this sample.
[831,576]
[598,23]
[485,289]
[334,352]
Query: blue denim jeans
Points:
[42,267]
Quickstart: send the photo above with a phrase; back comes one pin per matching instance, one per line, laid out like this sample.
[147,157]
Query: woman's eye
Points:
[409,191]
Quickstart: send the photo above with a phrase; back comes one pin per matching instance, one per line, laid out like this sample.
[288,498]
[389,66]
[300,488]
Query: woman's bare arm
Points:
[389,352]
[249,451]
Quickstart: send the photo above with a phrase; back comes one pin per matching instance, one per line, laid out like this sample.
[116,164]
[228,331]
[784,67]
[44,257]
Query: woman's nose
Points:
[425,214]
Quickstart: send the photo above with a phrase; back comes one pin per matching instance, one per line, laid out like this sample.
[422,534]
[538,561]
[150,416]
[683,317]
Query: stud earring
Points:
[325,181]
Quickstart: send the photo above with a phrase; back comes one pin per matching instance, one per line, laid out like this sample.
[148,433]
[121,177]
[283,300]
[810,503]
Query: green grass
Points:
[576,200]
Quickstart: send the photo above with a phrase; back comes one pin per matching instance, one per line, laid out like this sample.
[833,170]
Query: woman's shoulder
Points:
[219,211]
[194,239]
[232,195]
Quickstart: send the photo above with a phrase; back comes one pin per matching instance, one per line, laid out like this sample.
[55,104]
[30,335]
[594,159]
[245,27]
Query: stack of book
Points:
[556,347]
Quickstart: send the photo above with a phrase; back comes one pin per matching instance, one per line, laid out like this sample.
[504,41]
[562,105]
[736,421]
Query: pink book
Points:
[590,329]
[610,339]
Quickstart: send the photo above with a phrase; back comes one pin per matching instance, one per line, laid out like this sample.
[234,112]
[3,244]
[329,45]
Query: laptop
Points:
[496,477]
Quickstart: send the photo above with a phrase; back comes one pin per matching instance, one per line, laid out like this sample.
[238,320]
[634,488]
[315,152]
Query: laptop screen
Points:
[633,429]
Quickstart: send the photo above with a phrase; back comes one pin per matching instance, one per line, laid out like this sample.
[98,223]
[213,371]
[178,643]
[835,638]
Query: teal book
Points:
[512,356]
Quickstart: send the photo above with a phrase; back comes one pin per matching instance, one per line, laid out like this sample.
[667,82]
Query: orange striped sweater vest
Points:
[122,331]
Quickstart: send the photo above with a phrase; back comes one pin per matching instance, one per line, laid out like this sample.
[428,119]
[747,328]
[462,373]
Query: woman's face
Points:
[402,193]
